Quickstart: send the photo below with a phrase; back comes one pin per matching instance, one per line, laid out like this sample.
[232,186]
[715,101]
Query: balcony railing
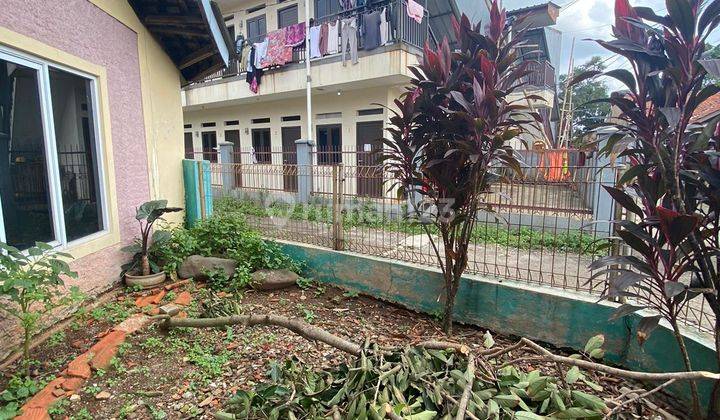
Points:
[542,74]
[403,29]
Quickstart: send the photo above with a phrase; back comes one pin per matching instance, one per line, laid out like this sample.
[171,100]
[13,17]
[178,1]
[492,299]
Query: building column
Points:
[304,169]
[225,152]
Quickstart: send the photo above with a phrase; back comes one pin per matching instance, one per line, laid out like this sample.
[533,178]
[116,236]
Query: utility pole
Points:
[308,77]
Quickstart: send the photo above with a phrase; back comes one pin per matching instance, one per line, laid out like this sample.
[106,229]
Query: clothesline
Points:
[276,48]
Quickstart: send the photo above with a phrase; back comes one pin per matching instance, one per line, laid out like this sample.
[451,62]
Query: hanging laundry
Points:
[384,28]
[244,56]
[315,42]
[333,46]
[347,4]
[239,44]
[415,11]
[278,52]
[371,30]
[260,53]
[254,73]
[349,40]
[295,34]
[323,39]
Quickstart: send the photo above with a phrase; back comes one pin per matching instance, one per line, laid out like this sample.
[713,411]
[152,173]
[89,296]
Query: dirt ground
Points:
[191,373]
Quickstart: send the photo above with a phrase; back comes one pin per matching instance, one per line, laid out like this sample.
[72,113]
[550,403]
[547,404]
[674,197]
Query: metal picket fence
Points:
[545,230]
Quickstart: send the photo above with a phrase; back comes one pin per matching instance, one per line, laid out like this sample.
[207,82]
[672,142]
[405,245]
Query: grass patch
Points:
[366,216]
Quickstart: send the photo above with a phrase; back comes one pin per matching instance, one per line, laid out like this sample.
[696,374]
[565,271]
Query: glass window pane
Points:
[24,191]
[77,154]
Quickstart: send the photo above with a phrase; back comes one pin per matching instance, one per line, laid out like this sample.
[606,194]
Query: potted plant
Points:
[141,271]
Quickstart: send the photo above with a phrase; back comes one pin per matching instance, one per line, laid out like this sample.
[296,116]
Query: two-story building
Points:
[349,97]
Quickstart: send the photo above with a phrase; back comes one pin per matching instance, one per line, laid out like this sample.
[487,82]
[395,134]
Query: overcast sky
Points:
[584,19]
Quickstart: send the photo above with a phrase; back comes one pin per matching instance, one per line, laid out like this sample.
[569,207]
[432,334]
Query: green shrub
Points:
[33,281]
[18,390]
[225,235]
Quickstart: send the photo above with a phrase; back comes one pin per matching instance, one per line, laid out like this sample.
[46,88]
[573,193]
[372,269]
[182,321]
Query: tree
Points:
[712,53]
[452,128]
[586,112]
[669,189]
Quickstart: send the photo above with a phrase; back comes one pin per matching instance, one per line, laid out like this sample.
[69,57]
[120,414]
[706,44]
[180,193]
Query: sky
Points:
[583,19]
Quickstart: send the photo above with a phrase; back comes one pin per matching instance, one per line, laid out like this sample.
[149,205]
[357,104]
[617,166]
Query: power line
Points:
[568,4]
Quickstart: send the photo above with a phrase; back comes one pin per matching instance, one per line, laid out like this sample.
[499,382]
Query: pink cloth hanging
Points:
[278,52]
[295,34]
[415,11]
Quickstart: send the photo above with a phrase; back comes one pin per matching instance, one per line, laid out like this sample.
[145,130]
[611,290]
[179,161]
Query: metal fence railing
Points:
[546,228]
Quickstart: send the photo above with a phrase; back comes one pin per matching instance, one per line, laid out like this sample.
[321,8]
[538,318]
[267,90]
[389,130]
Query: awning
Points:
[191,32]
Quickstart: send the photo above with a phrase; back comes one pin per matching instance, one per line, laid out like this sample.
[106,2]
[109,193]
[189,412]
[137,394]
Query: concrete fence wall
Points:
[552,316]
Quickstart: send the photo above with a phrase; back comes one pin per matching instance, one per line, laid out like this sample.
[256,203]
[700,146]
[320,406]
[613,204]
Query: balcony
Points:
[542,76]
[406,34]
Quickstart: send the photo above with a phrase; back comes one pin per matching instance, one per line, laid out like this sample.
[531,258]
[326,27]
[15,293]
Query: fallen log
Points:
[300,328]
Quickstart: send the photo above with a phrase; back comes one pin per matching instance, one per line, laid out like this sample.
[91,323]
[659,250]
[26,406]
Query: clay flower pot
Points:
[146,282]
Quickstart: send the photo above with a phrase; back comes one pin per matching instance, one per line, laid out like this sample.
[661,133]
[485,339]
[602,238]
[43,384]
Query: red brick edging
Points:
[97,357]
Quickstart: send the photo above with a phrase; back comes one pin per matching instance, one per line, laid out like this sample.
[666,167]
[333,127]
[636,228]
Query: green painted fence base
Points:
[559,318]
[198,201]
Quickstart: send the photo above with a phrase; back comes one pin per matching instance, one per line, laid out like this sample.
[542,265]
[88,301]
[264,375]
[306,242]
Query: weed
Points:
[211,365]
[309,315]
[92,389]
[142,370]
[123,348]
[170,296]
[152,344]
[57,363]
[229,334]
[56,338]
[113,312]
[156,413]
[133,288]
[305,283]
[117,364]
[350,294]
[59,407]
[82,414]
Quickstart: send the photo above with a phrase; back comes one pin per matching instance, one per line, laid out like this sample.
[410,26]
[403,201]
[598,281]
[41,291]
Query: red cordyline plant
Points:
[451,128]
[671,188]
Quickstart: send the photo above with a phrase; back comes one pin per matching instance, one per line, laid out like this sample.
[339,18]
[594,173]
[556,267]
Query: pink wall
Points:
[80,28]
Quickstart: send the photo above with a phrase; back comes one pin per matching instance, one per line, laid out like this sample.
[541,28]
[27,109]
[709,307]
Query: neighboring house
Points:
[348,100]
[707,110]
[90,116]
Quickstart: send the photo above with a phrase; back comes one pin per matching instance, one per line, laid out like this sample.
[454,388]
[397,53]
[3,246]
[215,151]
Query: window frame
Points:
[42,66]
[262,157]
[330,155]
[285,10]
[253,19]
